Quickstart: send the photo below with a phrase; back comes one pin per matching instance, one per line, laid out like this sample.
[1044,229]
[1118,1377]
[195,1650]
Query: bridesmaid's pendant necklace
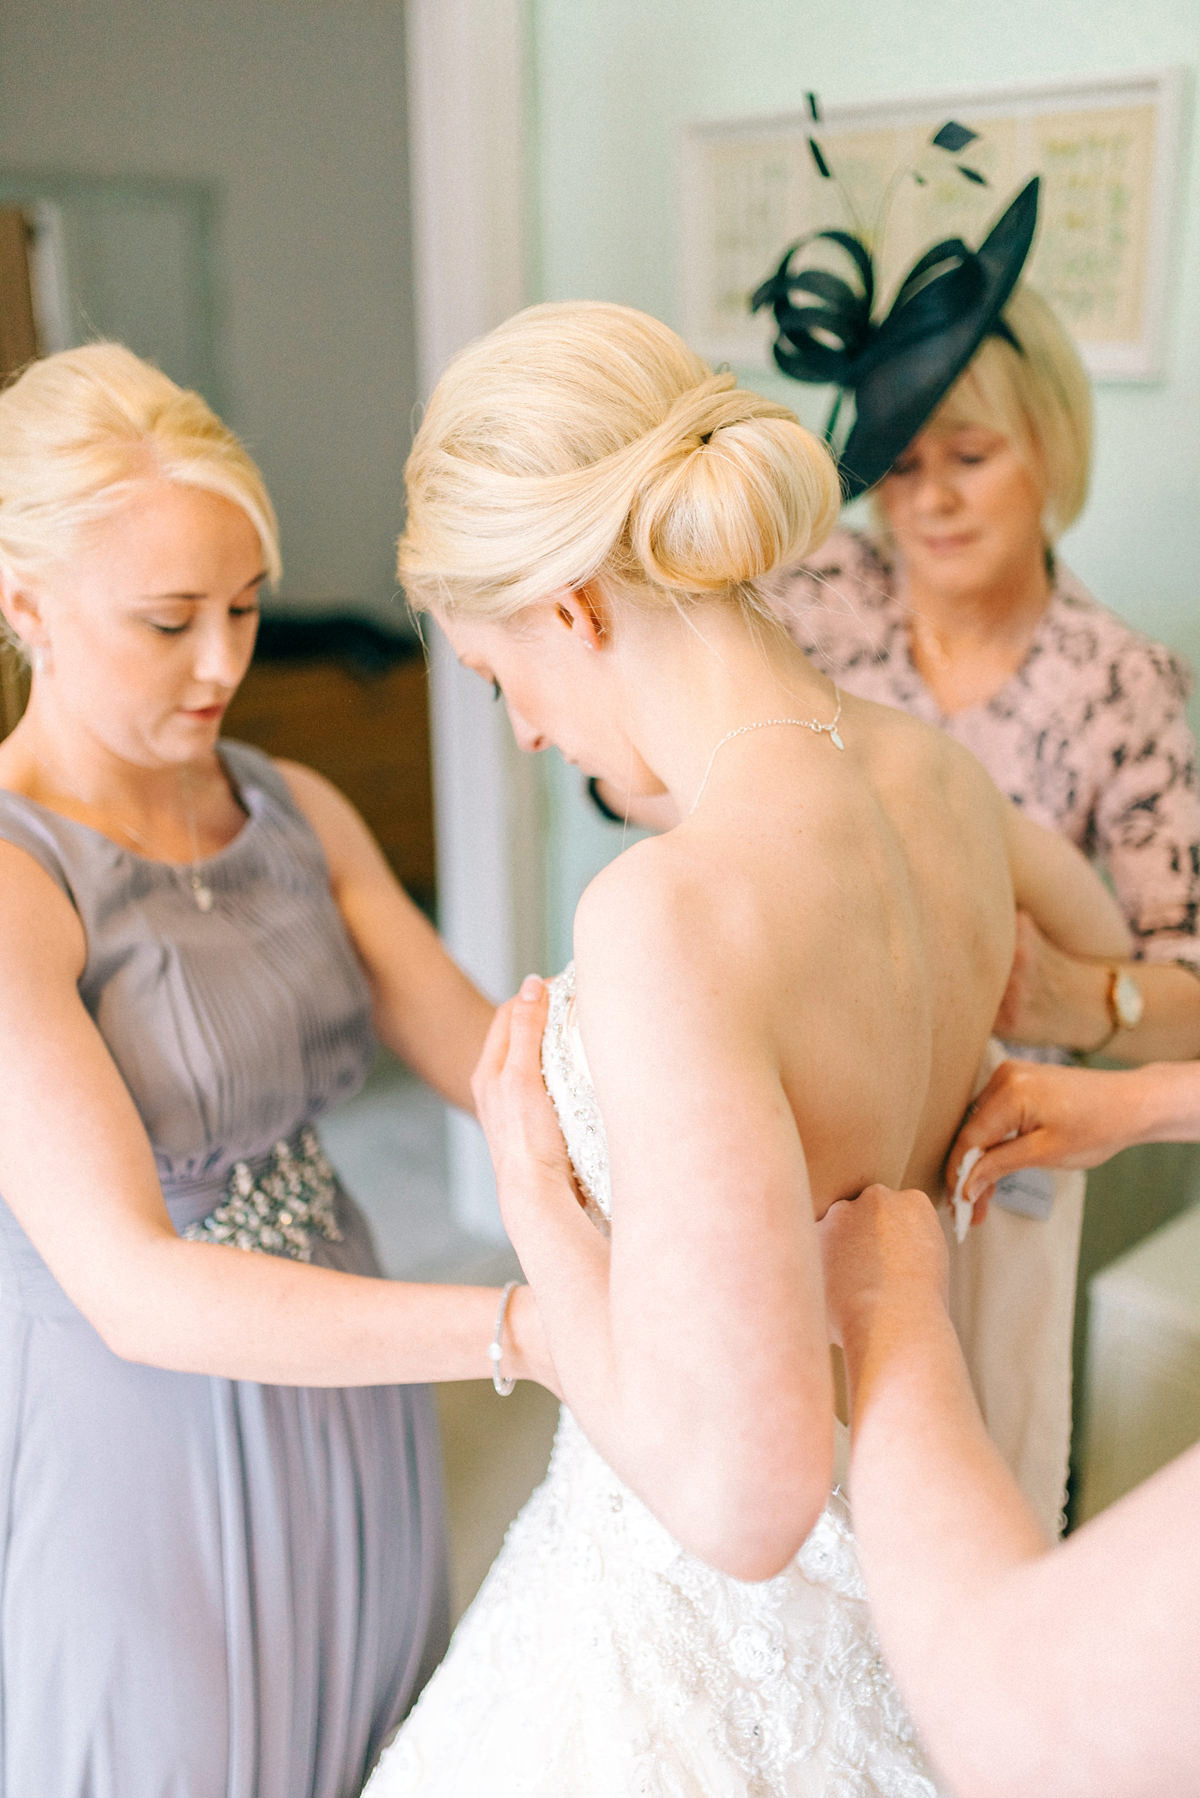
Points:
[818,729]
[202,893]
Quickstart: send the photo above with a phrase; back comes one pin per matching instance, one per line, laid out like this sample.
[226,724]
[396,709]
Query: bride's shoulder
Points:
[660,923]
[648,895]
[911,753]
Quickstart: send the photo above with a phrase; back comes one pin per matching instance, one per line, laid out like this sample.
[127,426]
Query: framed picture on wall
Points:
[1108,152]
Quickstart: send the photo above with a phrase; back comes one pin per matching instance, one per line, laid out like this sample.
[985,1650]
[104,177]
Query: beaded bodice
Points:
[569,1083]
[232,1028]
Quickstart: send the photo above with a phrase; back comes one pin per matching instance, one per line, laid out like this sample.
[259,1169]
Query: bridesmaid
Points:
[223,1557]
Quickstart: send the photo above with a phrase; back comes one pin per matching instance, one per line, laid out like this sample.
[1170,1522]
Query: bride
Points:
[785,997]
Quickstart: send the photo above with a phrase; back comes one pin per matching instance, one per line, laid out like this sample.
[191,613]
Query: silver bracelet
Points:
[503,1383]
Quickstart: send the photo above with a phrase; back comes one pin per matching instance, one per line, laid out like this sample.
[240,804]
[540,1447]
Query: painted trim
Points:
[467,62]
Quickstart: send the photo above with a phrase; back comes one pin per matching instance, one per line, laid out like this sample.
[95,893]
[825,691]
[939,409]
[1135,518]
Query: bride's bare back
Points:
[856,908]
[890,919]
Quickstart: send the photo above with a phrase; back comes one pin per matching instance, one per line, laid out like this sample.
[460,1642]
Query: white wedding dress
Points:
[601,1660]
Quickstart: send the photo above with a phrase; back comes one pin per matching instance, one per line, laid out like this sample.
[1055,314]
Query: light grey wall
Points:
[295,111]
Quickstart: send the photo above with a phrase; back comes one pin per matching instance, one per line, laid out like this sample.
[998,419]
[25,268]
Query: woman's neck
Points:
[687,681]
[69,770]
[1004,607]
[968,639]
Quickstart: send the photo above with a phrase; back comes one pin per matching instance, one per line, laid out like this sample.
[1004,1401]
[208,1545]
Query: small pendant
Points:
[835,738]
[201,894]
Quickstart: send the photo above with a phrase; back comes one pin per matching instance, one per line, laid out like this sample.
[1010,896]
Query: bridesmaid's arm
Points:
[1073,1670]
[77,1170]
[425,1008]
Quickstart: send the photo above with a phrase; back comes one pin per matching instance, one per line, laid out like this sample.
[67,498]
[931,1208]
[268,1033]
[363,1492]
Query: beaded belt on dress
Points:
[279,1210]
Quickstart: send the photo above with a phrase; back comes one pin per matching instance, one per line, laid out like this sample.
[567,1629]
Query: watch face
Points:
[1127,1001]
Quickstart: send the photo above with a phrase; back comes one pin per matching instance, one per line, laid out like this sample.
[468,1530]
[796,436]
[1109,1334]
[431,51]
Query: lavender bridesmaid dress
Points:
[211,1589]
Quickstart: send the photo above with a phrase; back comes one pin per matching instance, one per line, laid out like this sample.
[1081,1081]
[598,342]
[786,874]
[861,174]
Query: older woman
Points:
[222,1549]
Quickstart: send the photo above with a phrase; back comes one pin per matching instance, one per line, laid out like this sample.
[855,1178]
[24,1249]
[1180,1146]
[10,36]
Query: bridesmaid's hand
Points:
[513,1106]
[879,1250]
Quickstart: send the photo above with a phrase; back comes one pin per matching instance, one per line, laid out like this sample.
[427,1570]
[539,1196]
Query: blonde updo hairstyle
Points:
[1039,398]
[585,442]
[81,430]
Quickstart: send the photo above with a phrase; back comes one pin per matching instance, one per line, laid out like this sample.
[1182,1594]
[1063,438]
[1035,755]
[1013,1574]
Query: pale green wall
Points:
[615,79]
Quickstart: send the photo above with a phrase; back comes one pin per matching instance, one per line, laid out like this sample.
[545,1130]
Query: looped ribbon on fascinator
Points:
[900,366]
[835,340]
[822,342]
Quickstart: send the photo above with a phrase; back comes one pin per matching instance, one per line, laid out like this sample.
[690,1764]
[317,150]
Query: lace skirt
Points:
[600,1660]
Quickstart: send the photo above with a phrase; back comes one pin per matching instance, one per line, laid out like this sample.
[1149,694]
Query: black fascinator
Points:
[901,366]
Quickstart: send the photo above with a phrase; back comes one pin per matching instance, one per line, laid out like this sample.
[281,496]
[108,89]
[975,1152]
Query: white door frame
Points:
[467,62]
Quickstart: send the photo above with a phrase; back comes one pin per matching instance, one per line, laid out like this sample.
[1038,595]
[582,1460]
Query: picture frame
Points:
[1108,151]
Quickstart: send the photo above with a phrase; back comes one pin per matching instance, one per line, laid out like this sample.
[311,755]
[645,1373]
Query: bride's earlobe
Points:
[591,607]
[580,610]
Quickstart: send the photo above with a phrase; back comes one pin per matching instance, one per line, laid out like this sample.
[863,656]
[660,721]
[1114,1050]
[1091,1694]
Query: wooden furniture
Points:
[18,327]
[18,345]
[14,687]
[368,732]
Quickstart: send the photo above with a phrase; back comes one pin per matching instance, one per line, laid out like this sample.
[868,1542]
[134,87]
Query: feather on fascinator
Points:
[901,366]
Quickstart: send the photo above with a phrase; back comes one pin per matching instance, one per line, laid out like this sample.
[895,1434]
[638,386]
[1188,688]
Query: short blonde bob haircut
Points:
[1039,398]
[81,430]
[584,442]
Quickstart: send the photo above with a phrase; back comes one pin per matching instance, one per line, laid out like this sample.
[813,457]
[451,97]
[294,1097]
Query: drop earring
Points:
[36,658]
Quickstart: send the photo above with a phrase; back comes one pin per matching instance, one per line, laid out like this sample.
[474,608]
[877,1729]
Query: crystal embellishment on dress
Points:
[279,1211]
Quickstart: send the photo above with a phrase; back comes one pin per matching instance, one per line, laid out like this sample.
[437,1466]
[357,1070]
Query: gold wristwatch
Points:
[1125,1005]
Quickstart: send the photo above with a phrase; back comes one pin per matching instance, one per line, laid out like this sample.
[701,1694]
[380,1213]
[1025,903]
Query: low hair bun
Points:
[585,441]
[740,489]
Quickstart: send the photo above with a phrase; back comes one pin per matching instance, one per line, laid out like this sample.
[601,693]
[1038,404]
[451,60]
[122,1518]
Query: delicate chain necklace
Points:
[818,729]
[201,892]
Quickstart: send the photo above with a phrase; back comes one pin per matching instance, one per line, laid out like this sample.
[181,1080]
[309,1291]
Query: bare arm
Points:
[78,1172]
[1059,889]
[1071,935]
[1058,998]
[693,1348]
[1075,1670]
[425,1008]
